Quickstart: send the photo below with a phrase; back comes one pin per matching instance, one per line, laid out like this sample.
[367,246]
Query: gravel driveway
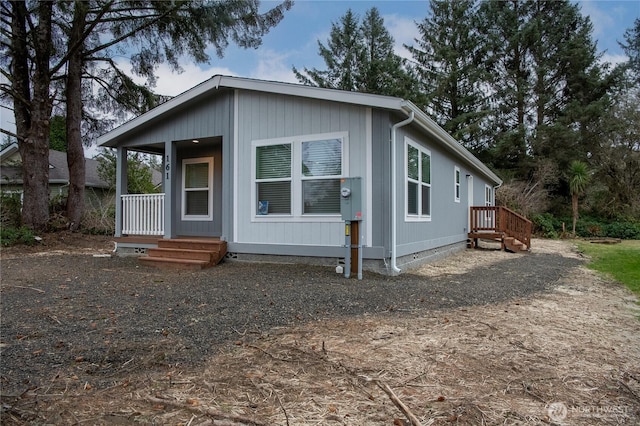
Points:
[63,314]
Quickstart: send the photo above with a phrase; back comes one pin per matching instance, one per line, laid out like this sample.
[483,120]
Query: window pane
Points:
[196,175]
[412,162]
[412,198]
[277,194]
[426,168]
[426,200]
[321,196]
[197,203]
[457,176]
[322,158]
[273,161]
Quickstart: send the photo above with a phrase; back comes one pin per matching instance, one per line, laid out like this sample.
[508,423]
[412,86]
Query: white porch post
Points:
[169,187]
[121,185]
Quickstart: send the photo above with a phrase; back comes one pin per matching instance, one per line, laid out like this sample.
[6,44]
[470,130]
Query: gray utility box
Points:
[351,198]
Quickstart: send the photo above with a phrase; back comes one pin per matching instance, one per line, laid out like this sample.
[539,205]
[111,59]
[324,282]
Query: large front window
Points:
[299,176]
[418,183]
[197,189]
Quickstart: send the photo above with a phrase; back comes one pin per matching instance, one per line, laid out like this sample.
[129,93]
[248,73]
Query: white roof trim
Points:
[445,138]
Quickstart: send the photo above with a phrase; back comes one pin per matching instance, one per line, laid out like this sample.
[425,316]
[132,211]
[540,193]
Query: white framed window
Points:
[488,195]
[298,176]
[197,188]
[418,181]
[456,184]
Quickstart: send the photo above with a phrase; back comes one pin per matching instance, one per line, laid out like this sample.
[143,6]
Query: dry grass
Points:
[509,363]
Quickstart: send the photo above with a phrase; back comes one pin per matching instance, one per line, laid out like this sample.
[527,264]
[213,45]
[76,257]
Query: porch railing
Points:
[501,219]
[143,214]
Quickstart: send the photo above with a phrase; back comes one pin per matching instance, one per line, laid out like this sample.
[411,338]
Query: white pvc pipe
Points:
[394,202]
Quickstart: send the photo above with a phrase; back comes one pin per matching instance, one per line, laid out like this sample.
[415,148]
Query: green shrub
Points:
[12,236]
[545,225]
[623,230]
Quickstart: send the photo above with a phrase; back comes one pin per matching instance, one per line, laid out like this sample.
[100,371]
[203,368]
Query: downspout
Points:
[394,201]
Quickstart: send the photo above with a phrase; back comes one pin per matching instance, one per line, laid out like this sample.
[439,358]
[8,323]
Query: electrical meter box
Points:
[351,198]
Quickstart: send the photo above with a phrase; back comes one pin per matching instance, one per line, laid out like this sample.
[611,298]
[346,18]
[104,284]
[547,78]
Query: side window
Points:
[456,184]
[418,183]
[488,195]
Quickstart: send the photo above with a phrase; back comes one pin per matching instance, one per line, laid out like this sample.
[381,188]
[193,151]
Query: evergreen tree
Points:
[340,55]
[631,47]
[58,134]
[447,61]
[359,57]
[75,42]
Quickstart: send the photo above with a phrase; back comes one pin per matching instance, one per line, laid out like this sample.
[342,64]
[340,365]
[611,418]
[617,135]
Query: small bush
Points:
[545,225]
[12,236]
[623,230]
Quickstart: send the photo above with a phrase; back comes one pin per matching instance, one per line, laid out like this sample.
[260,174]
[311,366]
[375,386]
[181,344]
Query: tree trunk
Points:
[33,112]
[75,150]
[574,207]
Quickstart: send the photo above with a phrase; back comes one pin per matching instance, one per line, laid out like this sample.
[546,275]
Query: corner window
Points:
[456,184]
[418,184]
[299,176]
[197,189]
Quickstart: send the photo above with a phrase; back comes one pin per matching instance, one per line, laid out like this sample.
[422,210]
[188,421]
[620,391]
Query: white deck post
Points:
[169,163]
[121,186]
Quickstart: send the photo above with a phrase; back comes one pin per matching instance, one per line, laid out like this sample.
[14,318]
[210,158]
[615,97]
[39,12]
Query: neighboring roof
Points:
[11,168]
[112,138]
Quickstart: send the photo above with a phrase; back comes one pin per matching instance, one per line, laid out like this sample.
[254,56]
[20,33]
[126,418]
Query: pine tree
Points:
[447,61]
[359,57]
[341,56]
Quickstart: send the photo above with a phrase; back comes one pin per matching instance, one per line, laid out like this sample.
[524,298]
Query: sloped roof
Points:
[116,136]
[11,168]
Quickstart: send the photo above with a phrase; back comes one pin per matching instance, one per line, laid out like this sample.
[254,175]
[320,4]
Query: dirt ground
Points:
[567,356]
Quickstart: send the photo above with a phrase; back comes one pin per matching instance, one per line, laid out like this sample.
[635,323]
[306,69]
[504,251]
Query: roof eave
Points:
[446,139]
[112,138]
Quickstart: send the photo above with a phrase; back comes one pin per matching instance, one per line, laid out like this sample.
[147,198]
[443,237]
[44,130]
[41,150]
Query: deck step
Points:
[185,253]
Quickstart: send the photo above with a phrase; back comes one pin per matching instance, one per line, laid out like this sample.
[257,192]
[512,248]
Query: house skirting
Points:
[373,258]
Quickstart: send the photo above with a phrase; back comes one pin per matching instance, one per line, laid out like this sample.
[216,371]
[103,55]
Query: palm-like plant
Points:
[578,182]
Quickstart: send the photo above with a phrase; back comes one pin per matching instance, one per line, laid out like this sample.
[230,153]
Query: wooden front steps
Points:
[185,253]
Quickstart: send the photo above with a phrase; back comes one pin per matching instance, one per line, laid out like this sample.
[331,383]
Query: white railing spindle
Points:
[143,214]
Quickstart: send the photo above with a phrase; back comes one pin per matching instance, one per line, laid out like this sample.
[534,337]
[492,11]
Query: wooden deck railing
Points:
[501,219]
[143,214]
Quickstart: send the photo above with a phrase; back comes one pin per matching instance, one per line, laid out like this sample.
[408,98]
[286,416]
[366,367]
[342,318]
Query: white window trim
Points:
[457,189]
[184,216]
[490,200]
[297,178]
[416,217]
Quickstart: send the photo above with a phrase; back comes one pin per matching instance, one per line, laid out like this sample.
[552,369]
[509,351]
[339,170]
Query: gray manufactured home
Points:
[259,165]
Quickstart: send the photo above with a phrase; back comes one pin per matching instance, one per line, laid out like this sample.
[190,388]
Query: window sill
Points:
[417,218]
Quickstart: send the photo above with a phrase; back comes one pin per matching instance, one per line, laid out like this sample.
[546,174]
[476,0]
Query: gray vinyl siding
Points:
[206,117]
[448,223]
[267,116]
[381,185]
